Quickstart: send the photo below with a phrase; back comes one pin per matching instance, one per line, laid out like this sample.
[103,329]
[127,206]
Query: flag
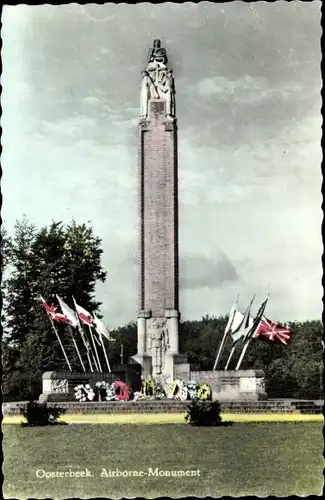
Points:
[60,318]
[84,315]
[101,328]
[273,332]
[232,314]
[49,309]
[241,324]
[69,313]
[254,326]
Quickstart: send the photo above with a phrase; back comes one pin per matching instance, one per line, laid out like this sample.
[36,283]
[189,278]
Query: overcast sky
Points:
[248,105]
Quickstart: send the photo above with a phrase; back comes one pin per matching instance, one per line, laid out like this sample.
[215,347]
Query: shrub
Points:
[204,413]
[39,414]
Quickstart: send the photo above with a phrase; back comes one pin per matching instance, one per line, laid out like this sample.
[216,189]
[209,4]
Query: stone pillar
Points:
[172,324]
[158,212]
[142,332]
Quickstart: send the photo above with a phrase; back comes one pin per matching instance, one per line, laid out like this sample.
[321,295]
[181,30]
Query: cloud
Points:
[91,100]
[199,271]
[247,89]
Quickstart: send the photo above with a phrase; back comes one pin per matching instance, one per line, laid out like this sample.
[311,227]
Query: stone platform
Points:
[58,386]
[241,385]
[232,385]
[172,406]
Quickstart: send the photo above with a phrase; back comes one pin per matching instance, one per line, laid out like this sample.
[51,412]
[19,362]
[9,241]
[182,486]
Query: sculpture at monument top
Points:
[157,54]
[159,342]
[157,82]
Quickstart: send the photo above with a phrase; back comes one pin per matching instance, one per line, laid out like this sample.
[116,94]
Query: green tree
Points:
[58,259]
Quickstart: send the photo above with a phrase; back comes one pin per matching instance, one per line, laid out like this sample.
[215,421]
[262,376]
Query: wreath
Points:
[182,392]
[204,391]
[160,391]
[174,389]
[122,391]
[84,393]
[192,388]
[148,387]
[110,392]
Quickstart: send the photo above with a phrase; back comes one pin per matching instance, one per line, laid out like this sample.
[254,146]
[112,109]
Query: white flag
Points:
[83,314]
[241,324]
[232,314]
[69,313]
[258,318]
[101,328]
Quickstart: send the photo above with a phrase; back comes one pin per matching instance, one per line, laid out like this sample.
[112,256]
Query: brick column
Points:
[158,212]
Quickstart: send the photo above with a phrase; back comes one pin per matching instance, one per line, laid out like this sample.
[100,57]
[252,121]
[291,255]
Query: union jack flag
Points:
[272,331]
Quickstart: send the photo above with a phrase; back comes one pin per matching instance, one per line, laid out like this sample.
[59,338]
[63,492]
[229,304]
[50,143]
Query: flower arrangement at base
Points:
[138,395]
[122,391]
[192,388]
[182,393]
[174,389]
[110,392]
[148,387]
[84,393]
[204,392]
[104,391]
[160,391]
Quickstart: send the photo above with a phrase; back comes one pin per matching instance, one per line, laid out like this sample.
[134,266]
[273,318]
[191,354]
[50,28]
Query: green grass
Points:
[262,458]
[171,418]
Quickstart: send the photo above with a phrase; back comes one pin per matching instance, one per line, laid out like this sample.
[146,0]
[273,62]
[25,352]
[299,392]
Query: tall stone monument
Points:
[158,317]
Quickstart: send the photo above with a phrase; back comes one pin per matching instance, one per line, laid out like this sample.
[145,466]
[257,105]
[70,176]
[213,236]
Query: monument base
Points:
[175,367]
[59,386]
[234,385]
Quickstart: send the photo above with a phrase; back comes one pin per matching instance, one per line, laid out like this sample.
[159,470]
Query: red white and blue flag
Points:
[51,312]
[271,331]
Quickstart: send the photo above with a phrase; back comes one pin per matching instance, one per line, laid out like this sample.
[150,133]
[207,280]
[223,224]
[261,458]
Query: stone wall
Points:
[60,385]
[110,407]
[233,385]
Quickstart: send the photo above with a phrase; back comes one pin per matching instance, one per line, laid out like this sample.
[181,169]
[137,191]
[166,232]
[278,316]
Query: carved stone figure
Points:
[148,91]
[157,82]
[159,343]
[157,54]
[60,385]
[167,92]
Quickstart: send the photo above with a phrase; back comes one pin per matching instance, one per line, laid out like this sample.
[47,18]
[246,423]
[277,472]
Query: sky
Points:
[248,102]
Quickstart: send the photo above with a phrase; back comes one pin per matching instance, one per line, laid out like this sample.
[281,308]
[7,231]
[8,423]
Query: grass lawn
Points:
[261,458]
[171,418]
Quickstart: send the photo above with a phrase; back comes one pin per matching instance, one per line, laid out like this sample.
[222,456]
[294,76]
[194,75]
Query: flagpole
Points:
[95,348]
[92,352]
[56,332]
[227,330]
[230,356]
[104,351]
[220,350]
[76,347]
[243,353]
[83,337]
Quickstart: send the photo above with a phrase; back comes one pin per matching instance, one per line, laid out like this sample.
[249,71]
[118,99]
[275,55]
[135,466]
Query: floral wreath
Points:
[122,391]
[148,387]
[174,389]
[192,388]
[204,391]
[84,392]
[182,393]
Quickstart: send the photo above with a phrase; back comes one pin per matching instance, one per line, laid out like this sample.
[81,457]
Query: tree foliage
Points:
[58,259]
